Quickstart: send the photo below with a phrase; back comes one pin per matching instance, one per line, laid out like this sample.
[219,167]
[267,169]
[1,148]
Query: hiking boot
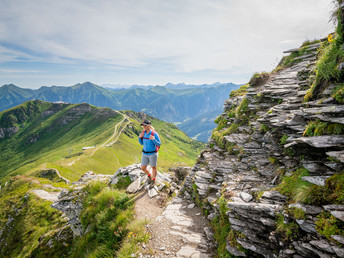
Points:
[150,179]
[151,184]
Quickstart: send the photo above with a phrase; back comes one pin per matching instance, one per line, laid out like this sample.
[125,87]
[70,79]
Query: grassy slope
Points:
[18,156]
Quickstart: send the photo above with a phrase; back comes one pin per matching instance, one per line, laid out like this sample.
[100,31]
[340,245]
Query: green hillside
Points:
[39,134]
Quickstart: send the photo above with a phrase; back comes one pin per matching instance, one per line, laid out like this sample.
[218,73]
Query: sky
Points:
[151,42]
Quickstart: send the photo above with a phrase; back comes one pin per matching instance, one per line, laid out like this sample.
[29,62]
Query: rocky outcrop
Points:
[261,142]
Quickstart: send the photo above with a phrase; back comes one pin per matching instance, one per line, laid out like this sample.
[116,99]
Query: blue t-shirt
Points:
[150,145]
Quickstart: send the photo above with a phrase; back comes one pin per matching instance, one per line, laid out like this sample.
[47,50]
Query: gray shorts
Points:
[149,159]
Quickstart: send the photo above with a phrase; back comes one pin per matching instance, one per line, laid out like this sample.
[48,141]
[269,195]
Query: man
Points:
[151,143]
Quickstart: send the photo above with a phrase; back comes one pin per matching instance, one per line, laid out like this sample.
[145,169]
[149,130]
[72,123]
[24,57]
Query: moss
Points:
[289,230]
[318,128]
[264,128]
[239,92]
[283,140]
[331,193]
[273,160]
[327,225]
[297,213]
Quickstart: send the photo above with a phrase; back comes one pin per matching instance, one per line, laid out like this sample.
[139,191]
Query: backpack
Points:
[156,147]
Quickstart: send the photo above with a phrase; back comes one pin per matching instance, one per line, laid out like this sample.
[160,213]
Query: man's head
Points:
[146,122]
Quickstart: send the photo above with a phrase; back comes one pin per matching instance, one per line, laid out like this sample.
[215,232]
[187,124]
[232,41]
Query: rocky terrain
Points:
[261,148]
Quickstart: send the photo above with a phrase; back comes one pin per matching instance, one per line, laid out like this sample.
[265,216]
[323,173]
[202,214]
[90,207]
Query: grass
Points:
[294,187]
[25,219]
[318,128]
[57,142]
[223,231]
[109,214]
[240,92]
[288,230]
[326,70]
[338,93]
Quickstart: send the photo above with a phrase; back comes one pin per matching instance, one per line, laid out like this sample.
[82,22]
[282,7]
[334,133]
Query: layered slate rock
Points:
[267,141]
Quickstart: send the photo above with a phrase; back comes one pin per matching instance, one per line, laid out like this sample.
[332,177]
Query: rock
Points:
[338,238]
[338,214]
[339,251]
[235,251]
[53,197]
[307,226]
[322,245]
[209,234]
[188,251]
[134,186]
[274,196]
[325,141]
[245,196]
[191,206]
[152,192]
[316,180]
[339,155]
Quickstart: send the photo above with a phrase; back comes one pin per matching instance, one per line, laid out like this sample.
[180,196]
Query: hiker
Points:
[150,140]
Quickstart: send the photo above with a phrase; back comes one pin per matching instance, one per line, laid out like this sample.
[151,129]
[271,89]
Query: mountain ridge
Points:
[168,104]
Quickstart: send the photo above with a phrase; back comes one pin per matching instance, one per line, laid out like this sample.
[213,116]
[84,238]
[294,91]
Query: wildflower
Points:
[330,38]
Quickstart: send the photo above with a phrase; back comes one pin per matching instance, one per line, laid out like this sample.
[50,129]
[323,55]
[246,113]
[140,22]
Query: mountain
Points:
[201,126]
[171,103]
[54,134]
[271,179]
[11,95]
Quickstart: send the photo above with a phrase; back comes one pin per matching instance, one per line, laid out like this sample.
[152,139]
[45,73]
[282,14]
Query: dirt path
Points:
[178,230]
[109,139]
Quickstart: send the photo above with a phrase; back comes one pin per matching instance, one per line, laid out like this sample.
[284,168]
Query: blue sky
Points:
[151,42]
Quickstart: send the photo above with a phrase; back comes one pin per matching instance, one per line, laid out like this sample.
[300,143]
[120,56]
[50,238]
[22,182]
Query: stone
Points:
[152,192]
[338,238]
[307,226]
[274,195]
[338,214]
[53,197]
[339,251]
[339,155]
[245,196]
[191,206]
[134,186]
[188,251]
[325,141]
[322,245]
[316,180]
[235,251]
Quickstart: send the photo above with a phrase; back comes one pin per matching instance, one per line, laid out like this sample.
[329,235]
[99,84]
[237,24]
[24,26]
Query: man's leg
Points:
[144,169]
[144,163]
[154,172]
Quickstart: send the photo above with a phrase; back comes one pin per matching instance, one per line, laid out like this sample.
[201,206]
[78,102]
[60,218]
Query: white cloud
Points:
[190,35]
